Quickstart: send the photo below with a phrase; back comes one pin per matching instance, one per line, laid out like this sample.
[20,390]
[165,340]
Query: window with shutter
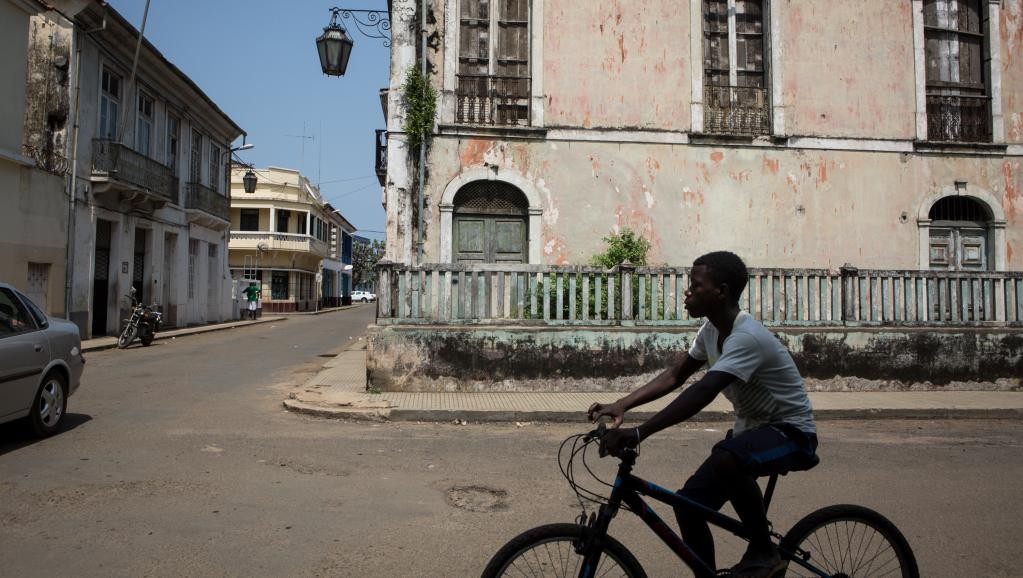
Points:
[493,78]
[734,68]
[958,102]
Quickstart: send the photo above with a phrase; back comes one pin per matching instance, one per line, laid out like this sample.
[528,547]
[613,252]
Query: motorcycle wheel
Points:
[127,336]
[147,339]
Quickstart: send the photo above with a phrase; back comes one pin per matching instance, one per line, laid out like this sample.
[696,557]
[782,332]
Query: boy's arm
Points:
[667,381]
[688,403]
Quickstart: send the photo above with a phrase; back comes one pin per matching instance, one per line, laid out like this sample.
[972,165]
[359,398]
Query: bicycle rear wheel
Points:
[848,541]
[550,551]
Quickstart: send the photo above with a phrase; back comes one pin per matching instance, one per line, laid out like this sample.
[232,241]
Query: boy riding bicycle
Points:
[774,428]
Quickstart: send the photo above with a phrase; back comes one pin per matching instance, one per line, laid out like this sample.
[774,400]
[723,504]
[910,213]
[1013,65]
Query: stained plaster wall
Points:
[407,358]
[611,65]
[778,207]
[623,76]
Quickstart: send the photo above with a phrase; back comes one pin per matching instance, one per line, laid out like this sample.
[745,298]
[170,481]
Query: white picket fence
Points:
[571,295]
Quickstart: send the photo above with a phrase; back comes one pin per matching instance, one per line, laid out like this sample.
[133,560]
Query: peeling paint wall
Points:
[849,68]
[48,105]
[614,149]
[613,64]
[599,359]
[778,207]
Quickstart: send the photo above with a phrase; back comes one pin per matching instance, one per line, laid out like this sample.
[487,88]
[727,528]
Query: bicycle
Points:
[840,541]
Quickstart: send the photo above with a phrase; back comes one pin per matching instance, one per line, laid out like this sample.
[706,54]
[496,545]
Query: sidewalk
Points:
[111,341]
[339,391]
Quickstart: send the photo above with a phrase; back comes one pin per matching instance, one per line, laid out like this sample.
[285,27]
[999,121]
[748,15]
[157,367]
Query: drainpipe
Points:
[69,248]
[422,145]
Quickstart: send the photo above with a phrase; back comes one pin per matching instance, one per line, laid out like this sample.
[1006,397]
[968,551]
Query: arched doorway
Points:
[960,234]
[491,224]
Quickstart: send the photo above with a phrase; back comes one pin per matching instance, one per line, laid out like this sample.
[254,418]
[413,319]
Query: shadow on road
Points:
[16,435]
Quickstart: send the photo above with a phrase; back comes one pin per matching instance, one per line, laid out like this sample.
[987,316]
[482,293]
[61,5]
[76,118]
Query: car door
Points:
[24,352]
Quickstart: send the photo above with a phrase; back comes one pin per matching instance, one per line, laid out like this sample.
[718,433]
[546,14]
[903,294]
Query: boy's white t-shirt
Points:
[768,387]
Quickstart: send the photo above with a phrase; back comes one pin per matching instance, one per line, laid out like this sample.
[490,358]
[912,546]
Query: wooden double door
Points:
[490,224]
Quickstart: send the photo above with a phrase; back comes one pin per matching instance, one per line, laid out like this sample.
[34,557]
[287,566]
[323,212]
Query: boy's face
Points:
[703,296]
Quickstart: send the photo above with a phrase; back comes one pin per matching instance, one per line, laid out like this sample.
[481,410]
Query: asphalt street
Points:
[181,461]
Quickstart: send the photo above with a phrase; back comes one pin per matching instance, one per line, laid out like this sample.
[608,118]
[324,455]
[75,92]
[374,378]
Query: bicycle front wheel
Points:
[849,541]
[550,551]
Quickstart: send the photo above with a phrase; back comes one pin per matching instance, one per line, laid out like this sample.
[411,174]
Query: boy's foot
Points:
[759,565]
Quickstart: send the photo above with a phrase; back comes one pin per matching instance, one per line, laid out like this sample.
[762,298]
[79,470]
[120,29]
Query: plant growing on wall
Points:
[420,106]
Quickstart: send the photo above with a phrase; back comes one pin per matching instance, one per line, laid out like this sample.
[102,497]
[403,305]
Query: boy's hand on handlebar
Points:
[616,440]
[615,411]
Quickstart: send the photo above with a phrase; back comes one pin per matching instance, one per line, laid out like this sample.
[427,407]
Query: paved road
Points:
[182,462]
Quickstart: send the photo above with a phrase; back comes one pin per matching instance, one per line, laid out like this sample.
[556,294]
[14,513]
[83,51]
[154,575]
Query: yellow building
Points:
[286,238]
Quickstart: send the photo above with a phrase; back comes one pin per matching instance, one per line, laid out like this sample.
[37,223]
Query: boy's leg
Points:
[761,451]
[703,487]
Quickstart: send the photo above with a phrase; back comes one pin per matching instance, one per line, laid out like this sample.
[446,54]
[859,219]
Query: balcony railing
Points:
[958,118]
[268,241]
[492,100]
[736,110]
[381,164]
[121,164]
[199,197]
[627,295]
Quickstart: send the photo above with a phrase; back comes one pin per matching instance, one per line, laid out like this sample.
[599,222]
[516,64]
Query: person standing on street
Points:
[252,293]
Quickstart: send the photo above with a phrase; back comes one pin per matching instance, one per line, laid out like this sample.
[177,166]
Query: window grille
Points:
[958,101]
[493,78]
[735,85]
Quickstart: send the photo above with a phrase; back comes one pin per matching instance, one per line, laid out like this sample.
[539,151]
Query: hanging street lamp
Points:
[249,182]
[335,46]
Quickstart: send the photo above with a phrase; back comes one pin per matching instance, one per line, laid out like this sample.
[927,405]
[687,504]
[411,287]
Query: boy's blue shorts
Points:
[769,449]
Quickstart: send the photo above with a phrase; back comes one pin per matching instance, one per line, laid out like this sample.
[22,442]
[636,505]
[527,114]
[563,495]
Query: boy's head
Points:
[727,272]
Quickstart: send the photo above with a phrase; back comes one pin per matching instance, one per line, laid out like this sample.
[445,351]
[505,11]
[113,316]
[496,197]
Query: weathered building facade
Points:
[805,136]
[798,134]
[146,153]
[284,237]
[33,160]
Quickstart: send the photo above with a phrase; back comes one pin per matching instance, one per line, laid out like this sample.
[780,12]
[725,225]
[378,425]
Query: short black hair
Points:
[726,267]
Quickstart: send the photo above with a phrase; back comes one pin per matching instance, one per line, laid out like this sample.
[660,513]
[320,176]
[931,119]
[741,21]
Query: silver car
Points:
[41,363]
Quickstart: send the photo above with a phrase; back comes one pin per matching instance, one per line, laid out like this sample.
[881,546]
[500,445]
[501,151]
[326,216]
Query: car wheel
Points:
[49,406]
[364,300]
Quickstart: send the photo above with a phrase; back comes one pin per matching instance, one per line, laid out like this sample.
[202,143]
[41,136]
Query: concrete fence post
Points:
[627,270]
[385,291]
[849,276]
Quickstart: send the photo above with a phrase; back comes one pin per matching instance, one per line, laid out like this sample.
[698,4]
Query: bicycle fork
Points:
[591,546]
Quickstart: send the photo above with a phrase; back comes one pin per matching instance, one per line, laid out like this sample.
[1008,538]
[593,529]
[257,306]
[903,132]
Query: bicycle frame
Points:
[629,488]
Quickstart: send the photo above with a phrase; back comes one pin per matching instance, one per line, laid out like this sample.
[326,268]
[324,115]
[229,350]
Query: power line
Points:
[346,180]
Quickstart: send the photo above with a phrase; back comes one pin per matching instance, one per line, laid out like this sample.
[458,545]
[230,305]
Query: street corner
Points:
[363,409]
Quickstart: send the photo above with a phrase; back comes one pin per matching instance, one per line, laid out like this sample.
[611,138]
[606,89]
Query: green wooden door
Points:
[490,239]
[490,224]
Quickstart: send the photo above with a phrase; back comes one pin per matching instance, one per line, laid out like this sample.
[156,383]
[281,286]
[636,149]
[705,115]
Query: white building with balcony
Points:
[287,239]
[148,154]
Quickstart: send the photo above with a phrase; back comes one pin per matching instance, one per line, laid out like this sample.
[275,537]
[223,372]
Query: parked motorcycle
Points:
[143,323]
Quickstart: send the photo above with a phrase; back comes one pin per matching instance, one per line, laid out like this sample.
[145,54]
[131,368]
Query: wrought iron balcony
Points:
[381,164]
[958,118]
[492,100]
[202,202]
[736,110]
[123,174]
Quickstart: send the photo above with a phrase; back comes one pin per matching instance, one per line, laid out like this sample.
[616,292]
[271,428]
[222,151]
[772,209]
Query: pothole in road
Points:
[478,498]
[326,355]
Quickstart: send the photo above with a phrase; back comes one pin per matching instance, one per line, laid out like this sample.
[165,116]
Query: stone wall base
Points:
[586,359]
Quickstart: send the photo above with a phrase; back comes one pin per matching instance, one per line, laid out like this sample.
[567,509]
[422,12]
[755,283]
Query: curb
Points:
[498,416]
[191,331]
